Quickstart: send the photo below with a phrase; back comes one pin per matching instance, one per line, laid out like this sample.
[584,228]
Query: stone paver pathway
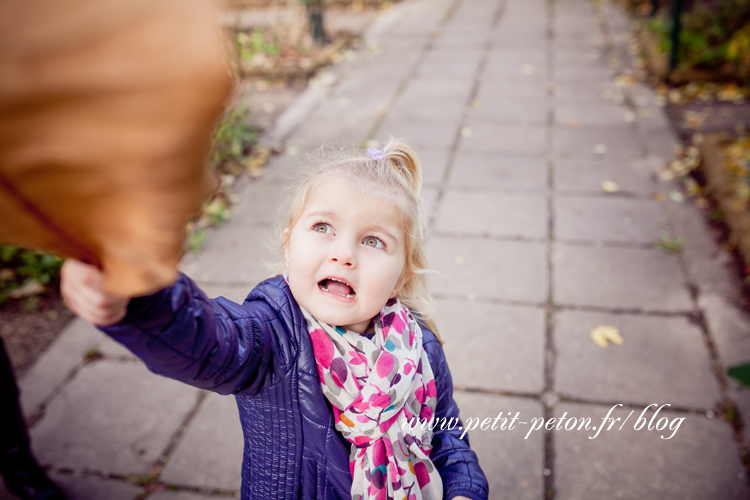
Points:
[518,118]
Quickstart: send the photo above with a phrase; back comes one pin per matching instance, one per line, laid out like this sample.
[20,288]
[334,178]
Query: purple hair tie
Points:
[375,154]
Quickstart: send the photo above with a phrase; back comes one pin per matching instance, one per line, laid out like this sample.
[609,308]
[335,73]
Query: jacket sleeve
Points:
[211,344]
[456,462]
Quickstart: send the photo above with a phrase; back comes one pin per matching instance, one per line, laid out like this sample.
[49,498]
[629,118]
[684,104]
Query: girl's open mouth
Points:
[337,287]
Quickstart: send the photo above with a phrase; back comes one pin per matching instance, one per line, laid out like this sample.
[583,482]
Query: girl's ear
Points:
[401,282]
[285,240]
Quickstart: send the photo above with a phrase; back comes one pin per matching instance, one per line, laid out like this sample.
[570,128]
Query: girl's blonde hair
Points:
[393,174]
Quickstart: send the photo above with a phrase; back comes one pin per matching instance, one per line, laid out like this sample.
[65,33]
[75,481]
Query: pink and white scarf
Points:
[376,387]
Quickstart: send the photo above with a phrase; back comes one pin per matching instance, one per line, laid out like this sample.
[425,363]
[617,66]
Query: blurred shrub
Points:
[715,34]
[21,268]
[233,140]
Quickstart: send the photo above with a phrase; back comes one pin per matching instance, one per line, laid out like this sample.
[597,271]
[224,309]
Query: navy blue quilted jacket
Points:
[261,352]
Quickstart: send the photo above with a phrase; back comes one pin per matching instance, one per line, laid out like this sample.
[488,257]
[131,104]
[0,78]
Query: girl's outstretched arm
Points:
[179,333]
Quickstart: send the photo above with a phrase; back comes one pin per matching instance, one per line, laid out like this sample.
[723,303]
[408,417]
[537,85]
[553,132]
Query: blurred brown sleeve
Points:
[106,112]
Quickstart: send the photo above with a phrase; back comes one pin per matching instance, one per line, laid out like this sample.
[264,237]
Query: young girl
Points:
[329,366]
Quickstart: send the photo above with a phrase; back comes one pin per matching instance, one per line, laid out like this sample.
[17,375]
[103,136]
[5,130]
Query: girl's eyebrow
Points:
[384,231]
[322,213]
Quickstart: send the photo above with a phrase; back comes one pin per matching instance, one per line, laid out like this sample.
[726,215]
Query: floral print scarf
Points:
[377,388]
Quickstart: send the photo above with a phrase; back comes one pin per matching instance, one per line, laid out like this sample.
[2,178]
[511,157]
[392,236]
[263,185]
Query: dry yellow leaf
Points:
[610,186]
[603,334]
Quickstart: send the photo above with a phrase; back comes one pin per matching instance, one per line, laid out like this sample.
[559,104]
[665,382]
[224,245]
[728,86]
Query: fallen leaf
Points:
[676,196]
[603,334]
[573,123]
[466,132]
[666,175]
[31,288]
[610,187]
[658,197]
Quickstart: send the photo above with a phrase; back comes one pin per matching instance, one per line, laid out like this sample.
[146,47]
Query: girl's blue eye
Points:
[373,242]
[322,227]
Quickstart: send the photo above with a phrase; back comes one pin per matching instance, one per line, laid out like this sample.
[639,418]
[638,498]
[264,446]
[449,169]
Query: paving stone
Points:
[57,363]
[492,346]
[113,417]
[89,487]
[574,74]
[281,168]
[642,95]
[623,278]
[495,214]
[351,107]
[535,56]
[661,144]
[453,88]
[373,86]
[577,55]
[527,140]
[434,108]
[232,255]
[113,349]
[588,93]
[526,71]
[330,132]
[599,115]
[500,88]
[430,196]
[513,465]
[596,143]
[259,205]
[508,39]
[588,175]
[488,170]
[434,162]
[653,118]
[511,110]
[210,453]
[458,43]
[641,370]
[506,270]
[700,461]
[608,219]
[422,133]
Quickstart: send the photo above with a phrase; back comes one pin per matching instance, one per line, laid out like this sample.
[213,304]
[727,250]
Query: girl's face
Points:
[345,256]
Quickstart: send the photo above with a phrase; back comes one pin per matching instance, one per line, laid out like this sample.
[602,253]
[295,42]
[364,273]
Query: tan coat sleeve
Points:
[106,111]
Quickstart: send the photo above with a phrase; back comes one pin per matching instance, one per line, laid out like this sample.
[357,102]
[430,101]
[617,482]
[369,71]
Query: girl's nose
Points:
[344,256]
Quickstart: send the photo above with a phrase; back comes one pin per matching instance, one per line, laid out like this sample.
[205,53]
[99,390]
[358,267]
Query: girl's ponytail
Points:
[404,161]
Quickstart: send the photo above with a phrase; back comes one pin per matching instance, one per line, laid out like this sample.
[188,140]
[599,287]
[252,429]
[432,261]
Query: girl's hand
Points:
[82,285]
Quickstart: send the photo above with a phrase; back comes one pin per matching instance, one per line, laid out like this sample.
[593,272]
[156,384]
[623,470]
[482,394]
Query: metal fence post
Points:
[676,27]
